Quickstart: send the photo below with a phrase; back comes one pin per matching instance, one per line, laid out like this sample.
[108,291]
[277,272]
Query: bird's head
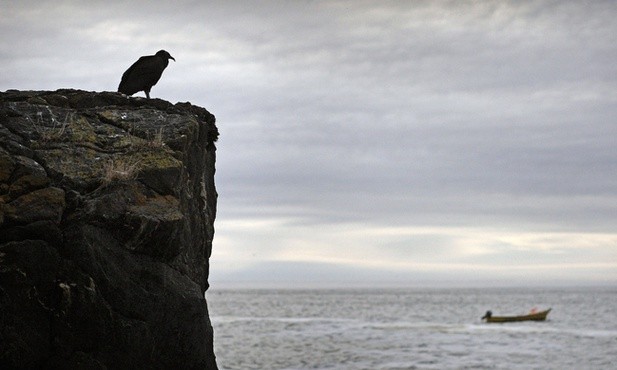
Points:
[164,54]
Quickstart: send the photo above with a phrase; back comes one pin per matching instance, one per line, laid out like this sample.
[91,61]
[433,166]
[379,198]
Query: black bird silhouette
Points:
[144,73]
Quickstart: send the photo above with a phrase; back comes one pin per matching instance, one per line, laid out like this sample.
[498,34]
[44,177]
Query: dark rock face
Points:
[107,207]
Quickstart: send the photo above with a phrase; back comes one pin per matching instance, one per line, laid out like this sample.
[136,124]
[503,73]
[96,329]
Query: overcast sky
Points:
[373,142]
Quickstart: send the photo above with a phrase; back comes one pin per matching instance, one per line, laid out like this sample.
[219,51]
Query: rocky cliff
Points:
[107,206]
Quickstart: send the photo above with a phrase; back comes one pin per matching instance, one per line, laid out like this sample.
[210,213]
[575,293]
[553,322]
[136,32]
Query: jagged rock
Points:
[107,205]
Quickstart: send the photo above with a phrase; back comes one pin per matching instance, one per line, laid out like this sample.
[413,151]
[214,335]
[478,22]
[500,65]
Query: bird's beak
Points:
[170,57]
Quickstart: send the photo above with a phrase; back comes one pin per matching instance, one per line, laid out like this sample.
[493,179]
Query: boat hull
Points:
[538,316]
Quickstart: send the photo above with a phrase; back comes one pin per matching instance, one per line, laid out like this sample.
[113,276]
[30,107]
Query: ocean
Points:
[413,329]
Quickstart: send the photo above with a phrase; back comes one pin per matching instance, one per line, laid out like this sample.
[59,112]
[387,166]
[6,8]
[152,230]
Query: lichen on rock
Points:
[107,205]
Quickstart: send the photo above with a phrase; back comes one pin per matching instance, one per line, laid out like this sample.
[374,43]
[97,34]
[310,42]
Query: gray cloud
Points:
[494,115]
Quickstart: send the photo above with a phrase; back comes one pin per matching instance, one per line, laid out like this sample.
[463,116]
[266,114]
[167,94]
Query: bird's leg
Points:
[147,93]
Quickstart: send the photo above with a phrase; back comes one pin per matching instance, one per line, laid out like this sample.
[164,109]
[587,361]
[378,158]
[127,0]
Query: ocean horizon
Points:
[412,328]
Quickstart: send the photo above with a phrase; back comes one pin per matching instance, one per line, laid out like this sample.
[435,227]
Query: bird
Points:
[144,73]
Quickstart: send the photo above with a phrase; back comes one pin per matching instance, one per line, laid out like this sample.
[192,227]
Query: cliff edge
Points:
[107,205]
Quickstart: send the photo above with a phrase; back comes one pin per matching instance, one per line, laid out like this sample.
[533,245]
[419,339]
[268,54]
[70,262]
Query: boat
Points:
[532,316]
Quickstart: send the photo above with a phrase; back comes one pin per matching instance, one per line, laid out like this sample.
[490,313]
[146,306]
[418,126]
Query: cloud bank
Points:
[472,140]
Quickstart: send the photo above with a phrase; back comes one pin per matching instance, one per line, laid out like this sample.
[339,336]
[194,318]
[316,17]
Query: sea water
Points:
[413,329]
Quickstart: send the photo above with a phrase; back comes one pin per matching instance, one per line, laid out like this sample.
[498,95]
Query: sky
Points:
[373,143]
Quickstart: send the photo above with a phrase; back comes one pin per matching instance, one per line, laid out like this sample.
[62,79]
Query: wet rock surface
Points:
[107,205]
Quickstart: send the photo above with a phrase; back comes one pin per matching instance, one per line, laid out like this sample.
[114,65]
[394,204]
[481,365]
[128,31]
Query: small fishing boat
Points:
[532,316]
